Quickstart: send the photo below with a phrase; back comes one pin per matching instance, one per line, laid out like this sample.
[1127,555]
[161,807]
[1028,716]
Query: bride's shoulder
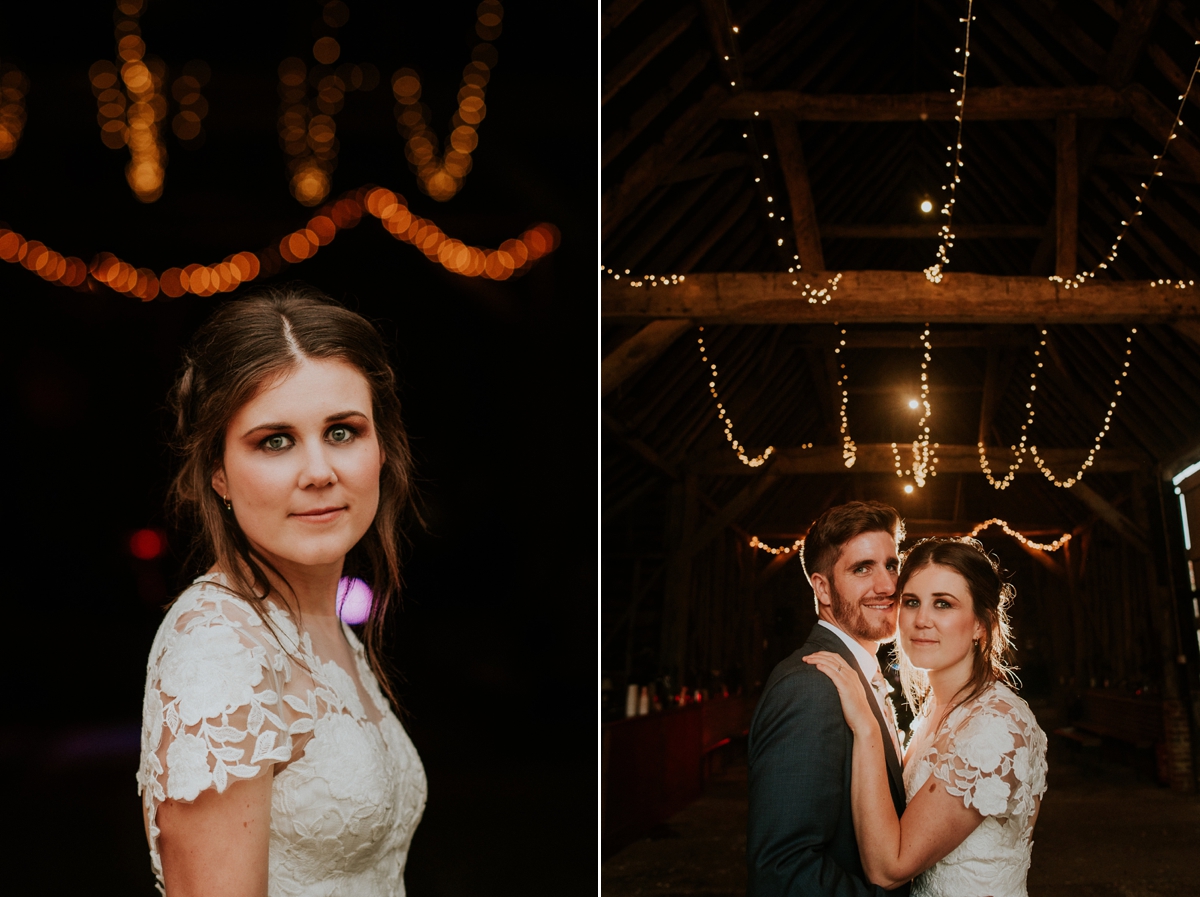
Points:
[210,604]
[1000,704]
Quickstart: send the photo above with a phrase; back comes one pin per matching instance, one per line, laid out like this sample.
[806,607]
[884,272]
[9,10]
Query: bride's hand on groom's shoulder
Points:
[855,706]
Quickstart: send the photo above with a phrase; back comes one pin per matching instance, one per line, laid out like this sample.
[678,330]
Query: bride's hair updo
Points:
[991,596]
[246,344]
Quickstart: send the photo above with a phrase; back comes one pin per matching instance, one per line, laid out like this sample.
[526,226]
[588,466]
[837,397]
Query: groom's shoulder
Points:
[793,674]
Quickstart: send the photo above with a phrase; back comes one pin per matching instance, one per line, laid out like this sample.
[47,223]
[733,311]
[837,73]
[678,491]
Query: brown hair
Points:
[837,526]
[991,596]
[244,345]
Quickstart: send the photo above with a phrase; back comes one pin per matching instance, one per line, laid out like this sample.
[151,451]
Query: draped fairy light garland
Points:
[934,272]
[757,543]
[1024,540]
[1019,447]
[723,415]
[1078,280]
[511,258]
[1070,481]
[849,449]
[924,462]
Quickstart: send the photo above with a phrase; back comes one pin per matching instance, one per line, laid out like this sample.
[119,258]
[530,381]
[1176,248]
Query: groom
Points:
[801,838]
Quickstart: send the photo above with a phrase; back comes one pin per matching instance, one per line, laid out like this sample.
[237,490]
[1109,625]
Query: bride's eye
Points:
[276,443]
[341,434]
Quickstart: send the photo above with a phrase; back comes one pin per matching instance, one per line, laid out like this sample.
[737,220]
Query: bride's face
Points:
[937,619]
[301,465]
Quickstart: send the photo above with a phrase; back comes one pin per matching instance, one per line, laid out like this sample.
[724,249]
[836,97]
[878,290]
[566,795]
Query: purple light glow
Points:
[353,600]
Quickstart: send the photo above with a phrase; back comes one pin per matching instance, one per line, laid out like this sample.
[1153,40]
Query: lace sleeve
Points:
[214,707]
[996,758]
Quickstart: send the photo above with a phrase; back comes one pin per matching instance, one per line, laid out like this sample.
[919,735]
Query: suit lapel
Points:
[828,641]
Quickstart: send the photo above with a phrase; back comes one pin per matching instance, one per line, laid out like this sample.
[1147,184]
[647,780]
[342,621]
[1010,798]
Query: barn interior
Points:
[790,320]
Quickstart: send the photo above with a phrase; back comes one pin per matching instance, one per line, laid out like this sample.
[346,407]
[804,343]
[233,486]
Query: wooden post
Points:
[1066,197]
[795,174]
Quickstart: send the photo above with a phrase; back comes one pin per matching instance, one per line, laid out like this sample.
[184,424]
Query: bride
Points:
[272,762]
[975,769]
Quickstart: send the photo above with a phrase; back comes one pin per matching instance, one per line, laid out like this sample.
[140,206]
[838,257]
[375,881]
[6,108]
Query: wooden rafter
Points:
[657,41]
[1066,197]
[895,297]
[638,351]
[800,198]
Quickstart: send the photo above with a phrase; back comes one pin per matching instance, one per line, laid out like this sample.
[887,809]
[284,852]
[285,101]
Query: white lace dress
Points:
[991,753]
[224,701]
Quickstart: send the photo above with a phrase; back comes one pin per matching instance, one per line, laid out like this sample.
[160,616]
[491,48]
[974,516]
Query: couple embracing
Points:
[838,805]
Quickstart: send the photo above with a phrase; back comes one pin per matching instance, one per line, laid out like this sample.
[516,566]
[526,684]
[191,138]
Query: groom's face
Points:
[862,588]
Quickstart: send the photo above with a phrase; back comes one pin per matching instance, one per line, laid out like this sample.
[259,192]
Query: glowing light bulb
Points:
[908,489]
[913,403]
[926,206]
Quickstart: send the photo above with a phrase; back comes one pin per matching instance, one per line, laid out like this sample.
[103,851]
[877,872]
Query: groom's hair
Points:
[837,526]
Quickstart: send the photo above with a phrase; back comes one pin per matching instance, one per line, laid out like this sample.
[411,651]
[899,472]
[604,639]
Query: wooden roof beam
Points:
[986,104]
[800,198]
[658,40]
[895,297]
[876,458]
[639,351]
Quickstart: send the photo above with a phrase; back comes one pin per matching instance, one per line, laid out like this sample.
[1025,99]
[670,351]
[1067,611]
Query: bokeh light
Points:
[13,88]
[354,599]
[442,176]
[147,544]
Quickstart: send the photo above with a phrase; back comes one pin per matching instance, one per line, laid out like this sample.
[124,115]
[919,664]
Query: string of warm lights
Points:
[188,123]
[1024,540]
[130,118]
[442,176]
[924,453]
[1104,427]
[13,87]
[934,271]
[650,280]
[1079,279]
[1019,447]
[737,447]
[307,128]
[756,542]
[849,449]
[512,257]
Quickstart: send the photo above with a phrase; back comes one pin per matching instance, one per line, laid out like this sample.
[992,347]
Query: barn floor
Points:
[1104,831]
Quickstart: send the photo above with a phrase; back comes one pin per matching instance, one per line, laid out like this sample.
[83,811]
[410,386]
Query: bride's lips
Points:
[320,515]
[922,642]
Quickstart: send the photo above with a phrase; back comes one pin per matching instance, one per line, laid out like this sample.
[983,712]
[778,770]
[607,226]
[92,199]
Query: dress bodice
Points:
[228,698]
[991,753]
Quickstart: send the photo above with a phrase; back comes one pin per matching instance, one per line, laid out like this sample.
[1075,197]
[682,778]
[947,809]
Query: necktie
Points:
[881,689]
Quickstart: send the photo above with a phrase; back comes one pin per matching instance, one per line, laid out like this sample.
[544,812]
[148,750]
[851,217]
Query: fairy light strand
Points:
[1024,540]
[924,452]
[513,257]
[934,272]
[1017,448]
[1077,280]
[726,420]
[849,449]
[756,542]
[1070,481]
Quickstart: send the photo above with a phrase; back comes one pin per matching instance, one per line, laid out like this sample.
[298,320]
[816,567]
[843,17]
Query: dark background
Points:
[497,632]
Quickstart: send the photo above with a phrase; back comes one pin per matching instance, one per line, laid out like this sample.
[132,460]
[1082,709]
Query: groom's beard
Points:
[849,615]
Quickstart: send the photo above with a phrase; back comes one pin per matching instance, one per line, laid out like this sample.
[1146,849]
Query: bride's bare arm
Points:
[217,844]
[893,849]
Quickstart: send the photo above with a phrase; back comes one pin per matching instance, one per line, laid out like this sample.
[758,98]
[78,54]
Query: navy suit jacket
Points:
[801,838]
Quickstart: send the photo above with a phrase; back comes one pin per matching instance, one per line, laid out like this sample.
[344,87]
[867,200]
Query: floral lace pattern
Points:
[227,699]
[991,753]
